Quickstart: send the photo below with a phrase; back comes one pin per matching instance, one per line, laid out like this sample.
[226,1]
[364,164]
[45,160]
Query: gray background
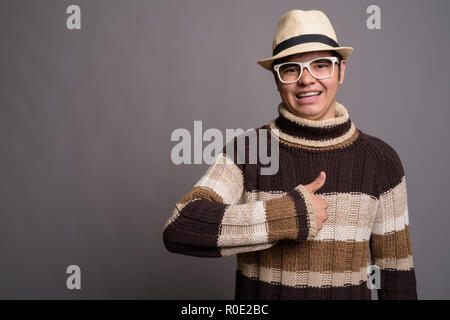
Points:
[86,116]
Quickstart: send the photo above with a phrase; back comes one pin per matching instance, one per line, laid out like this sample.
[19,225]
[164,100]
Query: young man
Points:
[306,231]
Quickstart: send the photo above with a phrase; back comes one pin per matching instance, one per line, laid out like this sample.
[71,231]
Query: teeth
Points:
[315,93]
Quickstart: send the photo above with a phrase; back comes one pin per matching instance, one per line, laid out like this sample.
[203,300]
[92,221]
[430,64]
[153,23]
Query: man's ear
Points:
[343,65]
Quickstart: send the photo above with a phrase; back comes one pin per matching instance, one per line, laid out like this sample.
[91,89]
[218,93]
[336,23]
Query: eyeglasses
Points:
[320,68]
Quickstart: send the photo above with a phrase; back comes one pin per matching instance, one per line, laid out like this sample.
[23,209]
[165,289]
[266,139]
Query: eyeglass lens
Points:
[322,68]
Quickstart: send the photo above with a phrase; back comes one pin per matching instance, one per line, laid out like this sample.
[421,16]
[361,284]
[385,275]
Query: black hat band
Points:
[304,38]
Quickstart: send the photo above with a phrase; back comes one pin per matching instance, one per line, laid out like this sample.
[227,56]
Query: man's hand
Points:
[319,204]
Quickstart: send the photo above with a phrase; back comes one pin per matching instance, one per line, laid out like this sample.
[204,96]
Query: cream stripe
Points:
[225,178]
[233,236]
[345,233]
[394,201]
[357,210]
[313,143]
[228,194]
[244,249]
[391,224]
[341,116]
[304,278]
[243,225]
[392,210]
[245,214]
[350,215]
[397,264]
[262,195]
[311,215]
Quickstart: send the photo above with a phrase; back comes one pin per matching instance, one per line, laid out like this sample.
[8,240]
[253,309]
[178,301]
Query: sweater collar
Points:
[337,132]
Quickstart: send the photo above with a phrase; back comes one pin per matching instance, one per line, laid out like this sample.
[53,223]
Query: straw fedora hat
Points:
[301,31]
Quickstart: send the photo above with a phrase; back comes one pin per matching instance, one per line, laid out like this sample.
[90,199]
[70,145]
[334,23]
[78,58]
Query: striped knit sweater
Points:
[268,221]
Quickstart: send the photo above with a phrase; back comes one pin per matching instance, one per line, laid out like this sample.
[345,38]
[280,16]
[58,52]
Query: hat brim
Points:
[305,47]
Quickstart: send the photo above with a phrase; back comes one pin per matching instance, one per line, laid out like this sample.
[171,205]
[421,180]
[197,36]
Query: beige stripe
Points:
[341,116]
[243,224]
[390,224]
[242,235]
[262,195]
[350,215]
[304,278]
[392,212]
[225,178]
[311,216]
[404,264]
[247,249]
[245,214]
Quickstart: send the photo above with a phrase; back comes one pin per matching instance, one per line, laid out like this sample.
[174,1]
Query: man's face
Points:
[319,107]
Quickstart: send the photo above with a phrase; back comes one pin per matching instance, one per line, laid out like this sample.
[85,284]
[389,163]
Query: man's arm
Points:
[390,242]
[209,221]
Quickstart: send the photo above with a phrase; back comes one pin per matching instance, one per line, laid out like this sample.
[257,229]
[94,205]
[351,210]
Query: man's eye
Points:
[289,69]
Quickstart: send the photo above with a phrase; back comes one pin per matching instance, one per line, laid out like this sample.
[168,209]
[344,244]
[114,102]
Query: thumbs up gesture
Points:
[319,204]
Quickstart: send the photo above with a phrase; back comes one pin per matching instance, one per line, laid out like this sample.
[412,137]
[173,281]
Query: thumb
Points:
[318,183]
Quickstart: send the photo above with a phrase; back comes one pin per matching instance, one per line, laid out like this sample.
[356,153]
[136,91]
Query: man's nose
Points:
[306,77]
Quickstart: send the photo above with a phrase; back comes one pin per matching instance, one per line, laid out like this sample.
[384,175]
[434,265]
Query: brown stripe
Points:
[248,257]
[303,221]
[314,256]
[203,193]
[196,251]
[273,257]
[392,245]
[312,133]
[281,218]
[341,145]
[398,285]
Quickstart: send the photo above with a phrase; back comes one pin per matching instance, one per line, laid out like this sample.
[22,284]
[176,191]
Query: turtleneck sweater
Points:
[268,221]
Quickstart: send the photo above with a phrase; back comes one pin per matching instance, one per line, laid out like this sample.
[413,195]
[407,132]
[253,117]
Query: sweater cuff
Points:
[310,213]
[304,212]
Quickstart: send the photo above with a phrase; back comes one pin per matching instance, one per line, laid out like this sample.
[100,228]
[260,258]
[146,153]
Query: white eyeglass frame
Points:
[305,65]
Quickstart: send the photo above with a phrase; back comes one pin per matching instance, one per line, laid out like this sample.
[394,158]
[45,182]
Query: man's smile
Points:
[306,97]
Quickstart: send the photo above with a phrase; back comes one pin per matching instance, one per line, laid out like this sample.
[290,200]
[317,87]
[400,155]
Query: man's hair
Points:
[285,59]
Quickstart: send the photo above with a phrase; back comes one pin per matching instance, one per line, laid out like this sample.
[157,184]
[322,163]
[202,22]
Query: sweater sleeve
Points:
[211,220]
[390,242]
